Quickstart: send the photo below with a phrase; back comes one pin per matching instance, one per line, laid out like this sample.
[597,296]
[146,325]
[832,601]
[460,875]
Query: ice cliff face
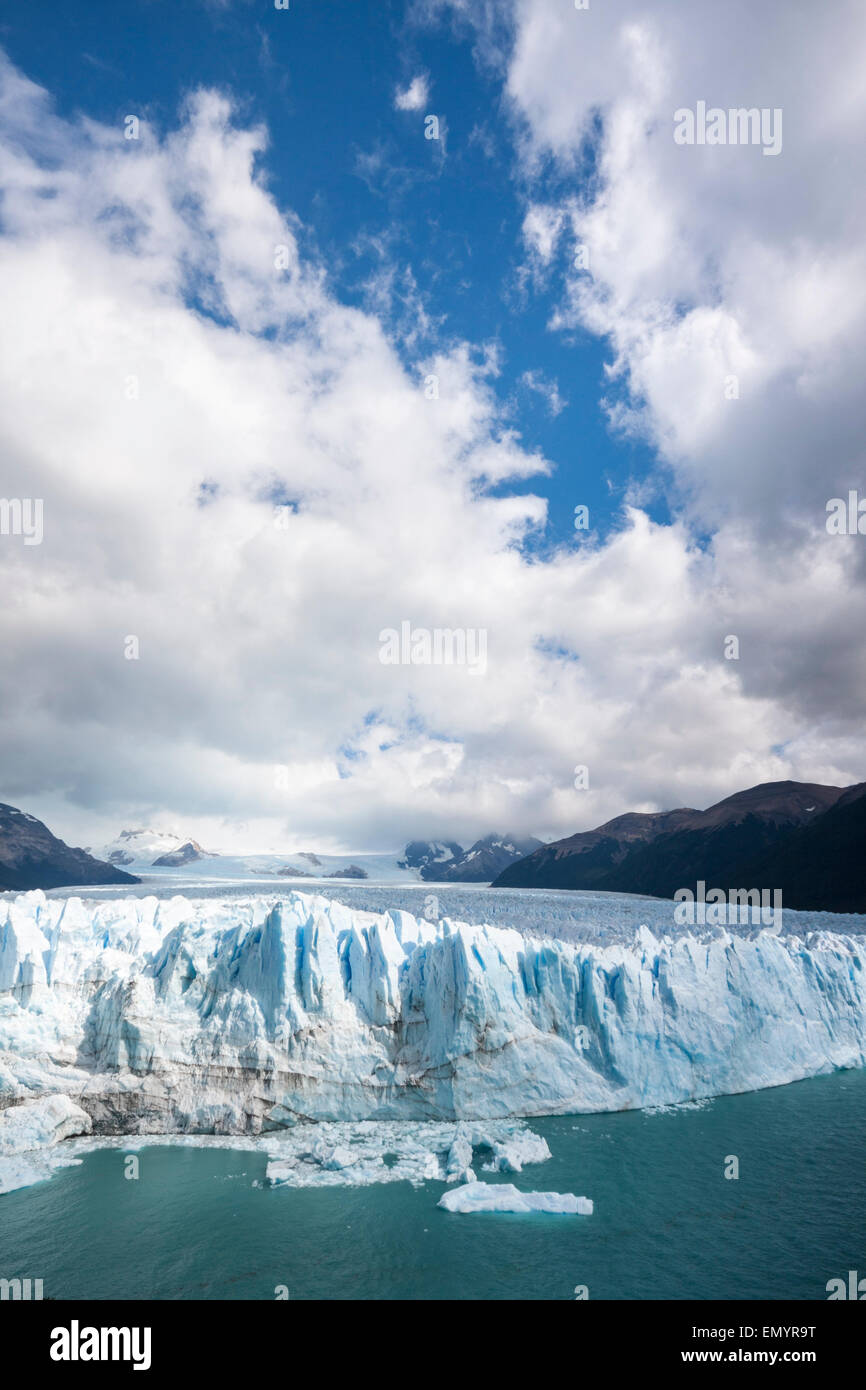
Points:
[240,1016]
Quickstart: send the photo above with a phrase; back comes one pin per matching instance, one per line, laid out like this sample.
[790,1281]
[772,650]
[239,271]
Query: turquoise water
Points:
[667,1224]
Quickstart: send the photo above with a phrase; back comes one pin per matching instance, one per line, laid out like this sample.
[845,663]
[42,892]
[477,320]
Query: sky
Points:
[324,320]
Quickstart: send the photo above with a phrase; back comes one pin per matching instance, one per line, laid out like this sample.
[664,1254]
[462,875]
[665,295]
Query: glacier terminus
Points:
[228,1016]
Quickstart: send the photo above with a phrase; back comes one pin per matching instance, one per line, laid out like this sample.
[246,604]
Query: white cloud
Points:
[151,265]
[549,391]
[414,97]
[731,289]
[542,227]
[711,262]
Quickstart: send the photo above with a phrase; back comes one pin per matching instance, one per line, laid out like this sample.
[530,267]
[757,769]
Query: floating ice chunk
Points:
[334,1157]
[509,1155]
[488,1196]
[459,1161]
[281,1174]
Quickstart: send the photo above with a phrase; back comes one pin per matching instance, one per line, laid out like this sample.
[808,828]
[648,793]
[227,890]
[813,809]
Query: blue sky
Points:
[164,383]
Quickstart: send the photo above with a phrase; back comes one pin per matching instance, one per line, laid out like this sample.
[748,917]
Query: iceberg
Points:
[488,1196]
[251,1015]
[510,1155]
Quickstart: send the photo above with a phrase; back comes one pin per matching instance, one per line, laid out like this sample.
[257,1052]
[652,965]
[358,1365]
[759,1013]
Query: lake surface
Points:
[667,1223]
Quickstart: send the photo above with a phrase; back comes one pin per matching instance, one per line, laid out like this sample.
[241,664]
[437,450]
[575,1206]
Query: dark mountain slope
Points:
[31,857]
[483,860]
[591,854]
[821,866]
[729,845]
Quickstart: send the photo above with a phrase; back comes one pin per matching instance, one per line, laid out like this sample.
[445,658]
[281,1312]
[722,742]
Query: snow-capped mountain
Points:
[233,1015]
[426,854]
[431,860]
[487,858]
[447,862]
[145,847]
[187,853]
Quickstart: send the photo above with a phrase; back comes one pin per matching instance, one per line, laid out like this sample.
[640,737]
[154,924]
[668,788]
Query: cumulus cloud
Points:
[241,472]
[730,287]
[705,263]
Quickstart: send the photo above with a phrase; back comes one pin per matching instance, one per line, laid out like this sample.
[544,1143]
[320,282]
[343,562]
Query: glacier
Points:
[249,1016]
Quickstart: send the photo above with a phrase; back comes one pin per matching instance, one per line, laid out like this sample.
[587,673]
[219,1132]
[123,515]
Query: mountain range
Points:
[803,838]
[446,862]
[434,861]
[31,857]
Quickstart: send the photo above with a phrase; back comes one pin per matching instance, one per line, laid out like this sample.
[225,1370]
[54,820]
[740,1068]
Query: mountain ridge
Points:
[32,857]
[737,841]
[447,862]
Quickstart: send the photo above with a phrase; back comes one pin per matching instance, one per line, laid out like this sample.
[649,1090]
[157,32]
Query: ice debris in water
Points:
[504,1197]
[393,1151]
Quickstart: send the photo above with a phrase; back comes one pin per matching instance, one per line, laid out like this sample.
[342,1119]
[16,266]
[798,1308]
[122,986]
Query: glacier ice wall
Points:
[230,1016]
